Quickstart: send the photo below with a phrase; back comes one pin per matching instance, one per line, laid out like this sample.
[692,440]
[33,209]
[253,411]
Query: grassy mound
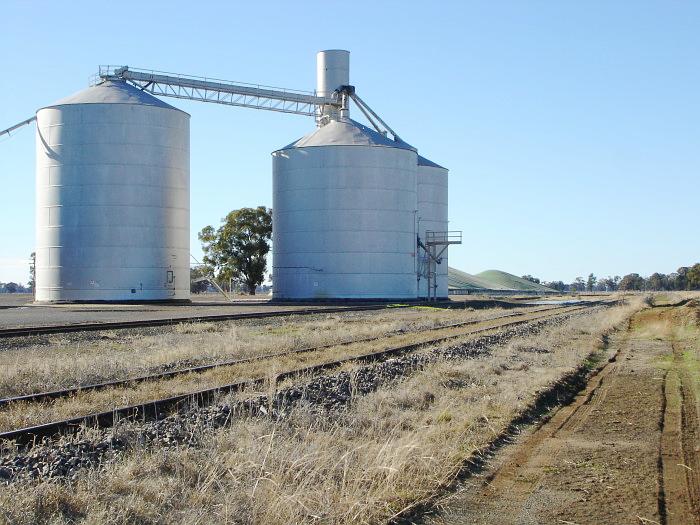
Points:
[465,281]
[505,280]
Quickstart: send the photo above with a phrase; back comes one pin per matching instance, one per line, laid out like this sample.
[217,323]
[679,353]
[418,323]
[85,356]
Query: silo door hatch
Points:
[170,279]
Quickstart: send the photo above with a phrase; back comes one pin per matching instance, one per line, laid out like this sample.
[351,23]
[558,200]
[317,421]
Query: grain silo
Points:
[112,215]
[344,207]
[432,217]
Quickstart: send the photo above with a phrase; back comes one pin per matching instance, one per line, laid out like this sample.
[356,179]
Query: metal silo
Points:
[344,201]
[432,216]
[112,215]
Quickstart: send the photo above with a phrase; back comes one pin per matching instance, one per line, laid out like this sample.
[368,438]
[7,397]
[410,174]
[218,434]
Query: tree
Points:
[590,282]
[632,281]
[578,285]
[556,285]
[657,281]
[609,284]
[12,287]
[238,249]
[198,284]
[531,279]
[694,277]
[32,272]
[681,279]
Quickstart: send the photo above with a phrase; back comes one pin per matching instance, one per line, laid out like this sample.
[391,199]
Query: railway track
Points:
[147,323]
[67,392]
[155,409]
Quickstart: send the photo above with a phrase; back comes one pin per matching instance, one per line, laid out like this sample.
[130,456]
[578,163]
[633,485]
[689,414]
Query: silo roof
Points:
[422,161]
[113,92]
[346,133]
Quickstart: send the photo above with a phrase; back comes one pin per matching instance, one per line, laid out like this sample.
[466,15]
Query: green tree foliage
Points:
[578,285]
[12,287]
[693,277]
[238,249]
[32,272]
[609,284]
[556,285]
[531,279]
[632,281]
[672,281]
[590,282]
[657,281]
[685,278]
[197,285]
[680,278]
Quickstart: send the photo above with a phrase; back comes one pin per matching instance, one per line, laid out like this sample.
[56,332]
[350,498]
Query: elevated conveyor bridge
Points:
[253,96]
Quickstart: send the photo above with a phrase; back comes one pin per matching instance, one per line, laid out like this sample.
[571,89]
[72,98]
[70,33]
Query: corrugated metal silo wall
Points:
[344,223]
[432,214]
[112,214]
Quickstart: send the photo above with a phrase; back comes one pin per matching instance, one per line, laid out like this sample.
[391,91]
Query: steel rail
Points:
[156,409]
[67,392]
[146,323]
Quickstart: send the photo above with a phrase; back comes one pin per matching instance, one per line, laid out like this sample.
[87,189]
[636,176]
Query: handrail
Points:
[443,237]
[204,89]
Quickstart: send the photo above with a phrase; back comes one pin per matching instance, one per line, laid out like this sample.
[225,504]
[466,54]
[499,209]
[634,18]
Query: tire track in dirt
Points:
[595,460]
[547,441]
[691,443]
[679,447]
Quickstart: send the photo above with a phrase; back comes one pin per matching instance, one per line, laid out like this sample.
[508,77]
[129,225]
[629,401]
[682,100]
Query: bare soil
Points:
[626,450]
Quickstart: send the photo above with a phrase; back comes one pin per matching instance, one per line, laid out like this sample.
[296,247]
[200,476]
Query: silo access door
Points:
[170,281]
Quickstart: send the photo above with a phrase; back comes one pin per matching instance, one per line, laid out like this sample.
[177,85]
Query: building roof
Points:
[422,161]
[346,133]
[112,92]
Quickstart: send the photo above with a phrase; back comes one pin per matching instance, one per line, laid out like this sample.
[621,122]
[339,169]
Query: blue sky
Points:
[571,129]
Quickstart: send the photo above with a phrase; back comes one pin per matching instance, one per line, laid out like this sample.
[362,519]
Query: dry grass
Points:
[70,361]
[389,450]
[24,414]
[670,298]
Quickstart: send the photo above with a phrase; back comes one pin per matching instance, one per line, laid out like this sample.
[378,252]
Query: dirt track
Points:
[627,450]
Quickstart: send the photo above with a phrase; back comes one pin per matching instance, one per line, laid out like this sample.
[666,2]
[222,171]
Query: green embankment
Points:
[465,281]
[492,280]
[510,281]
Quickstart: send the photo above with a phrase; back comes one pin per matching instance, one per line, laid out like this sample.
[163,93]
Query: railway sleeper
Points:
[89,447]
